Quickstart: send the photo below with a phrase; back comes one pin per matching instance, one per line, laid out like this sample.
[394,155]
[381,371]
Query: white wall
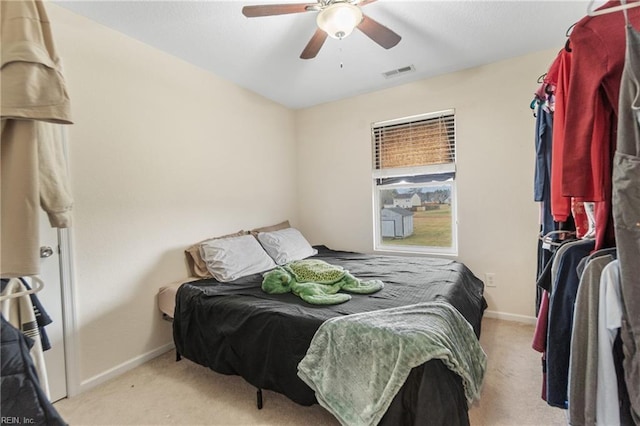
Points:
[163,154]
[497,218]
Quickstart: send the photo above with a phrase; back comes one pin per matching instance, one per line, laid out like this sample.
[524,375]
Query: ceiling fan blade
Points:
[364,2]
[275,9]
[378,33]
[314,45]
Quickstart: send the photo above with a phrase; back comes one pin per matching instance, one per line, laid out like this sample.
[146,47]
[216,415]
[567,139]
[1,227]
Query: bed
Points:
[236,328]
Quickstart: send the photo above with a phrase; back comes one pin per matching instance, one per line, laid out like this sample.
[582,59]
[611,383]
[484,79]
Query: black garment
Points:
[544,277]
[22,401]
[547,246]
[545,258]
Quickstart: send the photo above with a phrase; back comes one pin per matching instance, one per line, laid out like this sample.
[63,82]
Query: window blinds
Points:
[419,144]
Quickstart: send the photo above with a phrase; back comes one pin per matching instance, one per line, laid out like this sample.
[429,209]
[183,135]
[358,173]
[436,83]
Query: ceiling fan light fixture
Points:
[338,20]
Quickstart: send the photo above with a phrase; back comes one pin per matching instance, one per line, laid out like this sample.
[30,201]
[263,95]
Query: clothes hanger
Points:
[567,46]
[39,285]
[568,33]
[599,12]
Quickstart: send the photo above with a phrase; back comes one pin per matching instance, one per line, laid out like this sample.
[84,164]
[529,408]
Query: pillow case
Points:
[286,245]
[197,266]
[228,259]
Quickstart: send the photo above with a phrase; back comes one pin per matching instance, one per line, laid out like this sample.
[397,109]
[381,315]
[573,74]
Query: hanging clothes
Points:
[42,317]
[583,361]
[585,227]
[626,210]
[19,312]
[609,318]
[545,282]
[595,167]
[542,178]
[32,163]
[560,321]
[558,75]
[22,398]
[544,104]
[598,52]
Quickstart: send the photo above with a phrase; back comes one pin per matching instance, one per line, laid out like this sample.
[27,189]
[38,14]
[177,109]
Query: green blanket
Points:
[376,351]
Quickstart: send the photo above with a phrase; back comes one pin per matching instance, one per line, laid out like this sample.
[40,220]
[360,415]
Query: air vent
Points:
[399,71]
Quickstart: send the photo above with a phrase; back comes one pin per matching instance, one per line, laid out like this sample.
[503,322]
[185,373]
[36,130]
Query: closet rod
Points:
[599,12]
[39,285]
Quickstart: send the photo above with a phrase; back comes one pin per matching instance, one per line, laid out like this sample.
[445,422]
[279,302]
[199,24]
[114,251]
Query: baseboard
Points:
[510,317]
[124,367]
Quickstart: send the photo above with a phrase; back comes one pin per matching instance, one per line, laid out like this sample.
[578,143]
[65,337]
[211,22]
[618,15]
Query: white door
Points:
[51,299]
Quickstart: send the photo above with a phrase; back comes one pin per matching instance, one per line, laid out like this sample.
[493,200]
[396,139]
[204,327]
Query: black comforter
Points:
[236,328]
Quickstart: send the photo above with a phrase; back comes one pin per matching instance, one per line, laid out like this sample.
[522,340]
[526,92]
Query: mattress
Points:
[167,296]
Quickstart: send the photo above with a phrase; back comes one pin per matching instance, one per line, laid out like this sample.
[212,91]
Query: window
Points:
[414,184]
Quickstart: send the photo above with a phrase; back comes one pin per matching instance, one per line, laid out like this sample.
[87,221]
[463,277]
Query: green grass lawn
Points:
[431,228]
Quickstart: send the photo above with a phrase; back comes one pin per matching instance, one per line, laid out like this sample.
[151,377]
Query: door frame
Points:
[69,317]
[67,288]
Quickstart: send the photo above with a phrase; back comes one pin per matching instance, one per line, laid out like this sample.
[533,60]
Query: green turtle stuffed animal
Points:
[317,282]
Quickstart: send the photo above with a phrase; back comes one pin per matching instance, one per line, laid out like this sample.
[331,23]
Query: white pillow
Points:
[286,245]
[228,259]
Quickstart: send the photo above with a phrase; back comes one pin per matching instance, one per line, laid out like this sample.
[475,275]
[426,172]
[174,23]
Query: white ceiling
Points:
[262,54]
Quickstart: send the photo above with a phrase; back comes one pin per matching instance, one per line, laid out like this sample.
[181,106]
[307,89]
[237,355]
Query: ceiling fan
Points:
[336,18]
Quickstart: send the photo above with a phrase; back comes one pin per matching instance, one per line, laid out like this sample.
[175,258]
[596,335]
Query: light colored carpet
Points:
[164,392]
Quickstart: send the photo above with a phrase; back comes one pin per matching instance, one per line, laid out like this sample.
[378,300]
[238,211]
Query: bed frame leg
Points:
[178,357]
[259,399]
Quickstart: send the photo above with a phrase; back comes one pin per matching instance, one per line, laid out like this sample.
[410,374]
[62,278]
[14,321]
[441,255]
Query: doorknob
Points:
[45,251]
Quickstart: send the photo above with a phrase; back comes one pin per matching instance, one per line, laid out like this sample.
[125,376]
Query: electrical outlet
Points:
[490,279]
